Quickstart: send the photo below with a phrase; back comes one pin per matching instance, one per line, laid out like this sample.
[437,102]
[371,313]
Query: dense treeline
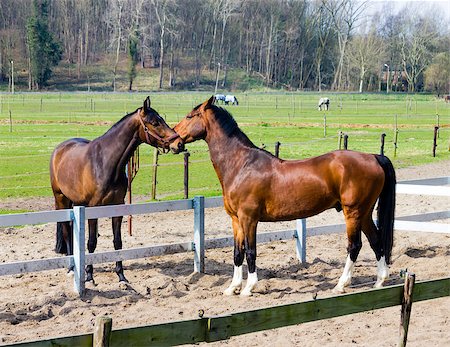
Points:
[292,44]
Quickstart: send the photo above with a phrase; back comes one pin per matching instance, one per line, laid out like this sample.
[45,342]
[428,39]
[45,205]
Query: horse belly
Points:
[301,201]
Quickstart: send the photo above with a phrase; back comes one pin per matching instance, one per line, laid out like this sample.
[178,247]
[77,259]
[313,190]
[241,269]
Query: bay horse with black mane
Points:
[92,173]
[258,186]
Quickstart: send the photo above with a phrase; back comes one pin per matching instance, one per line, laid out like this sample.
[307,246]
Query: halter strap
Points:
[148,132]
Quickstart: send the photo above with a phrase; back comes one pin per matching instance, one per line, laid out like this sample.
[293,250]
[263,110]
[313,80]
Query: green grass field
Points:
[31,125]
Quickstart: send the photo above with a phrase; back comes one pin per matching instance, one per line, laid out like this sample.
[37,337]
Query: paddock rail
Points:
[80,214]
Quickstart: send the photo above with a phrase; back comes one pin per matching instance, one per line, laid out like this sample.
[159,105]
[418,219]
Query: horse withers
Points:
[92,173]
[257,186]
[323,103]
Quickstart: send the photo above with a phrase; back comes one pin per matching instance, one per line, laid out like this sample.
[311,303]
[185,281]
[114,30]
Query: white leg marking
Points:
[382,272]
[251,282]
[346,277]
[236,283]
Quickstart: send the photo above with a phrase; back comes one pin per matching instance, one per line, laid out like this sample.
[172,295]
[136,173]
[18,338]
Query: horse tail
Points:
[386,206]
[61,246]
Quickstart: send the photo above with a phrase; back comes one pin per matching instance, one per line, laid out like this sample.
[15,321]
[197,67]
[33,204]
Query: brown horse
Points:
[258,186]
[92,173]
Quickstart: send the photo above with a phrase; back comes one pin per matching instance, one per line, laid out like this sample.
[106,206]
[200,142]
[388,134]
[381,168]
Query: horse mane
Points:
[230,126]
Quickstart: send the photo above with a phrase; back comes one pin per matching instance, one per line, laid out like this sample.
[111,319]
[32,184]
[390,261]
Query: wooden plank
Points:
[35,217]
[214,202]
[422,190]
[437,181]
[426,217]
[69,341]
[432,289]
[285,315]
[422,226]
[166,334]
[34,265]
[137,253]
[151,207]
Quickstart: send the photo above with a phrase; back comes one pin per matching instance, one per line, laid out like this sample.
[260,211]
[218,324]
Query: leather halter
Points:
[149,132]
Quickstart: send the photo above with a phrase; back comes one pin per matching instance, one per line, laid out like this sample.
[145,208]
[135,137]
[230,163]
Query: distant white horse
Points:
[325,102]
[220,97]
[232,99]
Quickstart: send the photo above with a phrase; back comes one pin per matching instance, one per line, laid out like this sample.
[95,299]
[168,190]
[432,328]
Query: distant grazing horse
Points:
[232,99]
[92,173]
[447,98]
[258,186]
[220,97]
[324,102]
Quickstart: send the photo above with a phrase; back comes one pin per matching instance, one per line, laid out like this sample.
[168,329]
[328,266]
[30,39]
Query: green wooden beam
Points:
[222,327]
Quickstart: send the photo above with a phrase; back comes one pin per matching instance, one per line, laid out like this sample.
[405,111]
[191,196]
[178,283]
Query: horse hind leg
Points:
[354,246]
[117,225]
[91,245]
[372,234]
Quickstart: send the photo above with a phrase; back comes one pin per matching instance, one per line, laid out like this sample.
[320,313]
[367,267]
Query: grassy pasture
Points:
[31,125]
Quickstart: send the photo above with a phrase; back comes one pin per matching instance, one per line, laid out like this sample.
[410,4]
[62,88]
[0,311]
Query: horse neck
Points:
[118,144]
[228,152]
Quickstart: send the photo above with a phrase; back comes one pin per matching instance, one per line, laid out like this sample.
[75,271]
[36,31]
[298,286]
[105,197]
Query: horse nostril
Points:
[180,145]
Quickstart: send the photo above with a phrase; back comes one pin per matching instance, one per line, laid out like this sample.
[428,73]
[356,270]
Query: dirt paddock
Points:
[161,289]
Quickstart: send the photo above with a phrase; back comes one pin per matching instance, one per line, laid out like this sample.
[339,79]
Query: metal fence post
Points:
[300,240]
[199,234]
[79,248]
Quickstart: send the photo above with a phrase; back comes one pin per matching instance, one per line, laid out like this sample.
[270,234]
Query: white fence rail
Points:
[80,214]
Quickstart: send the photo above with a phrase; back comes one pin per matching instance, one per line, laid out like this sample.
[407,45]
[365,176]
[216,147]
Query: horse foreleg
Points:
[236,283]
[92,245]
[116,226]
[372,234]
[353,248]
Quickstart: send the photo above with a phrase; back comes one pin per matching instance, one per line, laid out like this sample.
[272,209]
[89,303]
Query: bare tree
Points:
[345,14]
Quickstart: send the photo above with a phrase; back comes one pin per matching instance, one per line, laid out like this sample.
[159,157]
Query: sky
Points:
[422,6]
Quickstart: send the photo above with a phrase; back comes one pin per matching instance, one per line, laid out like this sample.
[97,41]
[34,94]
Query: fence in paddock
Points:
[216,328]
[79,214]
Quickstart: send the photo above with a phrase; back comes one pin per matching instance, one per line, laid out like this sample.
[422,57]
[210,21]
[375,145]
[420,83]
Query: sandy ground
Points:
[43,304]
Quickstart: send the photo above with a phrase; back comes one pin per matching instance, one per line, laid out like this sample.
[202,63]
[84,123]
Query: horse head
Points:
[193,126]
[155,130]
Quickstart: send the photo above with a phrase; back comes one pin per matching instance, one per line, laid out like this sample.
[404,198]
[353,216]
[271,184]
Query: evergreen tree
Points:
[45,52]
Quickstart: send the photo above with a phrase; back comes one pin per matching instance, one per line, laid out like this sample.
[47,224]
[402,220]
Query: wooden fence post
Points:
[300,240]
[340,134]
[155,172]
[199,234]
[407,300]
[102,331]
[345,141]
[79,248]
[436,129]
[324,125]
[186,175]
[277,149]
[383,135]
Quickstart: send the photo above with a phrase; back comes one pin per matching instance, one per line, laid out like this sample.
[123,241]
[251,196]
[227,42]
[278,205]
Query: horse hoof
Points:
[246,293]
[231,291]
[338,290]
[378,284]
[123,285]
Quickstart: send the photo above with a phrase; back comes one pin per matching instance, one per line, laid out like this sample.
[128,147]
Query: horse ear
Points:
[207,104]
[147,104]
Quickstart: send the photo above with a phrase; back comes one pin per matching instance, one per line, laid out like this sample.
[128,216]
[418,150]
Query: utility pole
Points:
[387,79]
[12,76]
